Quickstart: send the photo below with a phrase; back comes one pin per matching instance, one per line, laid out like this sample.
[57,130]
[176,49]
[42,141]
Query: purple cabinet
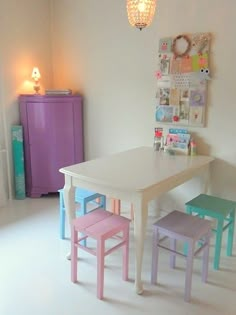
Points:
[53,138]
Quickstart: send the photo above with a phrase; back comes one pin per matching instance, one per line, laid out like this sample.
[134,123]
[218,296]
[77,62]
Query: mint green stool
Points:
[220,209]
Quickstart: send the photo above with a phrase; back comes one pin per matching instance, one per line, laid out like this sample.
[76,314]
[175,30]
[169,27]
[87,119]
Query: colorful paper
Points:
[196,115]
[197,98]
[197,61]
[186,65]
[164,113]
[165,45]
[174,96]
[164,96]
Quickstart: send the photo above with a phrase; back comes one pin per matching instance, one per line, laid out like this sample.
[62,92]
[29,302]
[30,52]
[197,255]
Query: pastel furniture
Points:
[137,175]
[100,225]
[53,138]
[115,207]
[82,197]
[222,211]
[186,228]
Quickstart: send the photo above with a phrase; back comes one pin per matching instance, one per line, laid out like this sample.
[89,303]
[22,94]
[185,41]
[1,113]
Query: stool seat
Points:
[220,209]
[107,227]
[214,206]
[100,225]
[181,226]
[90,219]
[82,197]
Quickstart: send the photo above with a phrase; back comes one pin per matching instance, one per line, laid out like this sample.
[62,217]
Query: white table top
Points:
[136,169]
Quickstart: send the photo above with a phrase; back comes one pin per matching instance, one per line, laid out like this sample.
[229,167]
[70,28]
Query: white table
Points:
[137,175]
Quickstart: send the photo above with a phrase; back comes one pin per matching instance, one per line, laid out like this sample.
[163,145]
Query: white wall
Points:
[97,53]
[113,66]
[25,41]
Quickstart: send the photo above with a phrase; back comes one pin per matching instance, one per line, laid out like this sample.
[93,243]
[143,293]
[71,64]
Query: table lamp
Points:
[36,76]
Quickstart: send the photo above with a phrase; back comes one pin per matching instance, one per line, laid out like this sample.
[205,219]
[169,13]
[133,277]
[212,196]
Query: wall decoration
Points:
[165,45]
[196,113]
[197,98]
[164,65]
[174,96]
[181,52]
[164,113]
[164,96]
[182,77]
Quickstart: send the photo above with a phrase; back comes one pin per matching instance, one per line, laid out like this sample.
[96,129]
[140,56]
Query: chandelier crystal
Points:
[141,12]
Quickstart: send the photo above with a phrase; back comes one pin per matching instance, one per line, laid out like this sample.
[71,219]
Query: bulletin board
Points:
[182,78]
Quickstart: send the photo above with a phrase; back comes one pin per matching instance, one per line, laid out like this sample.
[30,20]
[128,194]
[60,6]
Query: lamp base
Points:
[36,88]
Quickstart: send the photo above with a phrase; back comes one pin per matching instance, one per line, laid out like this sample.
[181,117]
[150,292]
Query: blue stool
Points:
[221,210]
[82,197]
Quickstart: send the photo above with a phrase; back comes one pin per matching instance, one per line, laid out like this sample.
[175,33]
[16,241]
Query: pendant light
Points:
[141,12]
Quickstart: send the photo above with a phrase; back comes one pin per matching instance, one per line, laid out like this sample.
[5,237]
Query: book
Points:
[178,140]
[58,91]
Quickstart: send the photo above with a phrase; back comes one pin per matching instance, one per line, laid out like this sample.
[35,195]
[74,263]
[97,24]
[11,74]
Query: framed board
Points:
[182,77]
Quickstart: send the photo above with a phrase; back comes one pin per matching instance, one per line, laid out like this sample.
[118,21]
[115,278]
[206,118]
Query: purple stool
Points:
[189,229]
[100,225]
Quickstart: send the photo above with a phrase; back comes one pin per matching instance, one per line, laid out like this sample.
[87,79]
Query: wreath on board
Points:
[184,53]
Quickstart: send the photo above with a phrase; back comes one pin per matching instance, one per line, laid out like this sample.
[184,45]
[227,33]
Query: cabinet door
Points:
[51,140]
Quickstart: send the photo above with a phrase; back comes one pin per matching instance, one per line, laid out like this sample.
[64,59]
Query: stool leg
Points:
[83,211]
[231,234]
[100,268]
[62,223]
[125,254]
[206,257]
[219,232]
[112,205]
[115,206]
[62,215]
[155,253]
[189,270]
[103,202]
[74,241]
[188,211]
[172,255]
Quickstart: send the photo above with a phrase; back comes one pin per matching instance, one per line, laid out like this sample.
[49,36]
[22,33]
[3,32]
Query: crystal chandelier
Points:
[140,12]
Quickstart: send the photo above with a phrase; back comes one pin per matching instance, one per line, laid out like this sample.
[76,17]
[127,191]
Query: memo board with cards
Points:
[182,77]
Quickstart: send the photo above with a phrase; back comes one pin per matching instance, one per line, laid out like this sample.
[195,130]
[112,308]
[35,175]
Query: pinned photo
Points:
[197,98]
[165,96]
[164,113]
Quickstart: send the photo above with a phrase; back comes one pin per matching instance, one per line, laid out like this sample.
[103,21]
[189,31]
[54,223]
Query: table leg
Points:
[219,232]
[206,180]
[140,222]
[69,199]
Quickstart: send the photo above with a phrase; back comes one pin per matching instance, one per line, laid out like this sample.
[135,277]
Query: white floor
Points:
[35,276]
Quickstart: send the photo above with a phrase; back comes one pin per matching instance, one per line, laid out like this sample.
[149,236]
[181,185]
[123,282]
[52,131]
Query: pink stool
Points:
[184,227]
[100,225]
